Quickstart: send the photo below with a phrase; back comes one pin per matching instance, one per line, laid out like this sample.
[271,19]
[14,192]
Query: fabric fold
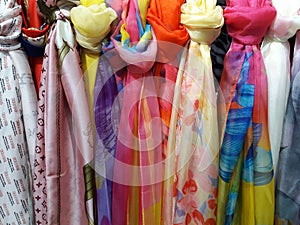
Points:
[246,184]
[194,136]
[276,45]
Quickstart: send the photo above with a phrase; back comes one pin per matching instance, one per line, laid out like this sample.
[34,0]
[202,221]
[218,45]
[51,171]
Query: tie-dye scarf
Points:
[246,186]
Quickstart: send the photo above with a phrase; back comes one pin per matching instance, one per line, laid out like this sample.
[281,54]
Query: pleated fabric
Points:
[193,137]
[246,184]
[136,196]
[276,48]
[33,38]
[17,120]
[287,182]
[171,36]
[62,172]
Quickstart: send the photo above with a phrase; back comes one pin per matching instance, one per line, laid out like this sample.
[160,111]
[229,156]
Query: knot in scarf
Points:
[287,21]
[203,20]
[10,25]
[247,25]
[92,24]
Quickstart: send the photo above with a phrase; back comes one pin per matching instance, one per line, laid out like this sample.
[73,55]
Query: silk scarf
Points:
[92,23]
[246,185]
[287,183]
[193,136]
[164,17]
[136,196]
[64,141]
[276,45]
[17,122]
[34,35]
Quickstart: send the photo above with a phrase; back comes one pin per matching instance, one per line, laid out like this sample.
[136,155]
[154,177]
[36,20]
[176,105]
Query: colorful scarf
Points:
[33,38]
[276,48]
[193,137]
[246,186]
[136,196]
[64,142]
[164,17]
[17,120]
[287,182]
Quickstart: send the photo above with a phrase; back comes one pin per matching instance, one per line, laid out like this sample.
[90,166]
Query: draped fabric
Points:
[246,185]
[92,23]
[64,142]
[136,196]
[276,48]
[193,137]
[164,17]
[34,34]
[17,122]
[287,182]
[219,48]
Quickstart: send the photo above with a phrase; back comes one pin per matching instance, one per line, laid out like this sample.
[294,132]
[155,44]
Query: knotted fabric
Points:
[164,17]
[64,140]
[34,34]
[18,118]
[137,169]
[276,48]
[246,186]
[92,23]
[193,137]
[287,182]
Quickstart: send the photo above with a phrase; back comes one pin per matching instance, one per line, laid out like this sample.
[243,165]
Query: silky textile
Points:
[136,195]
[276,48]
[287,183]
[64,141]
[17,120]
[246,185]
[193,137]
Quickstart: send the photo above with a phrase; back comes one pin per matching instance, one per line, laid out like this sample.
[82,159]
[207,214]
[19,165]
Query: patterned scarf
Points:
[193,134]
[287,182]
[17,120]
[246,186]
[137,181]
[64,143]
[276,48]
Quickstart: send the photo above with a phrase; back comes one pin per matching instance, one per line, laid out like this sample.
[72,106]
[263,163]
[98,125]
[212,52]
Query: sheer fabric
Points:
[246,185]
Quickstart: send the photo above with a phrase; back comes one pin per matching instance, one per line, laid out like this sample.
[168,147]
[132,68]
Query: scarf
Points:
[136,196]
[287,182]
[64,141]
[33,38]
[92,23]
[17,122]
[193,134]
[246,186]
[164,17]
[275,45]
